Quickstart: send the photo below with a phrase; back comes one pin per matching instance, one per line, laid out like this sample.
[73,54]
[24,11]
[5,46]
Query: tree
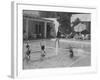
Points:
[62,17]
[64,20]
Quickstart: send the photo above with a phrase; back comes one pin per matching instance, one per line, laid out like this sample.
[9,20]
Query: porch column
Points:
[27,20]
[45,29]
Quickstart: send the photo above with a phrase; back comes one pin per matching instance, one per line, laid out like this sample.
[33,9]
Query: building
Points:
[37,27]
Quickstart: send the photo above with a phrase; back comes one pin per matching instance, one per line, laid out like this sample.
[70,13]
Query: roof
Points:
[37,18]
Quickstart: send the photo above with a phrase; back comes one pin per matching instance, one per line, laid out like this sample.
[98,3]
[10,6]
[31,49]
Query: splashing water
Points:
[56,23]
